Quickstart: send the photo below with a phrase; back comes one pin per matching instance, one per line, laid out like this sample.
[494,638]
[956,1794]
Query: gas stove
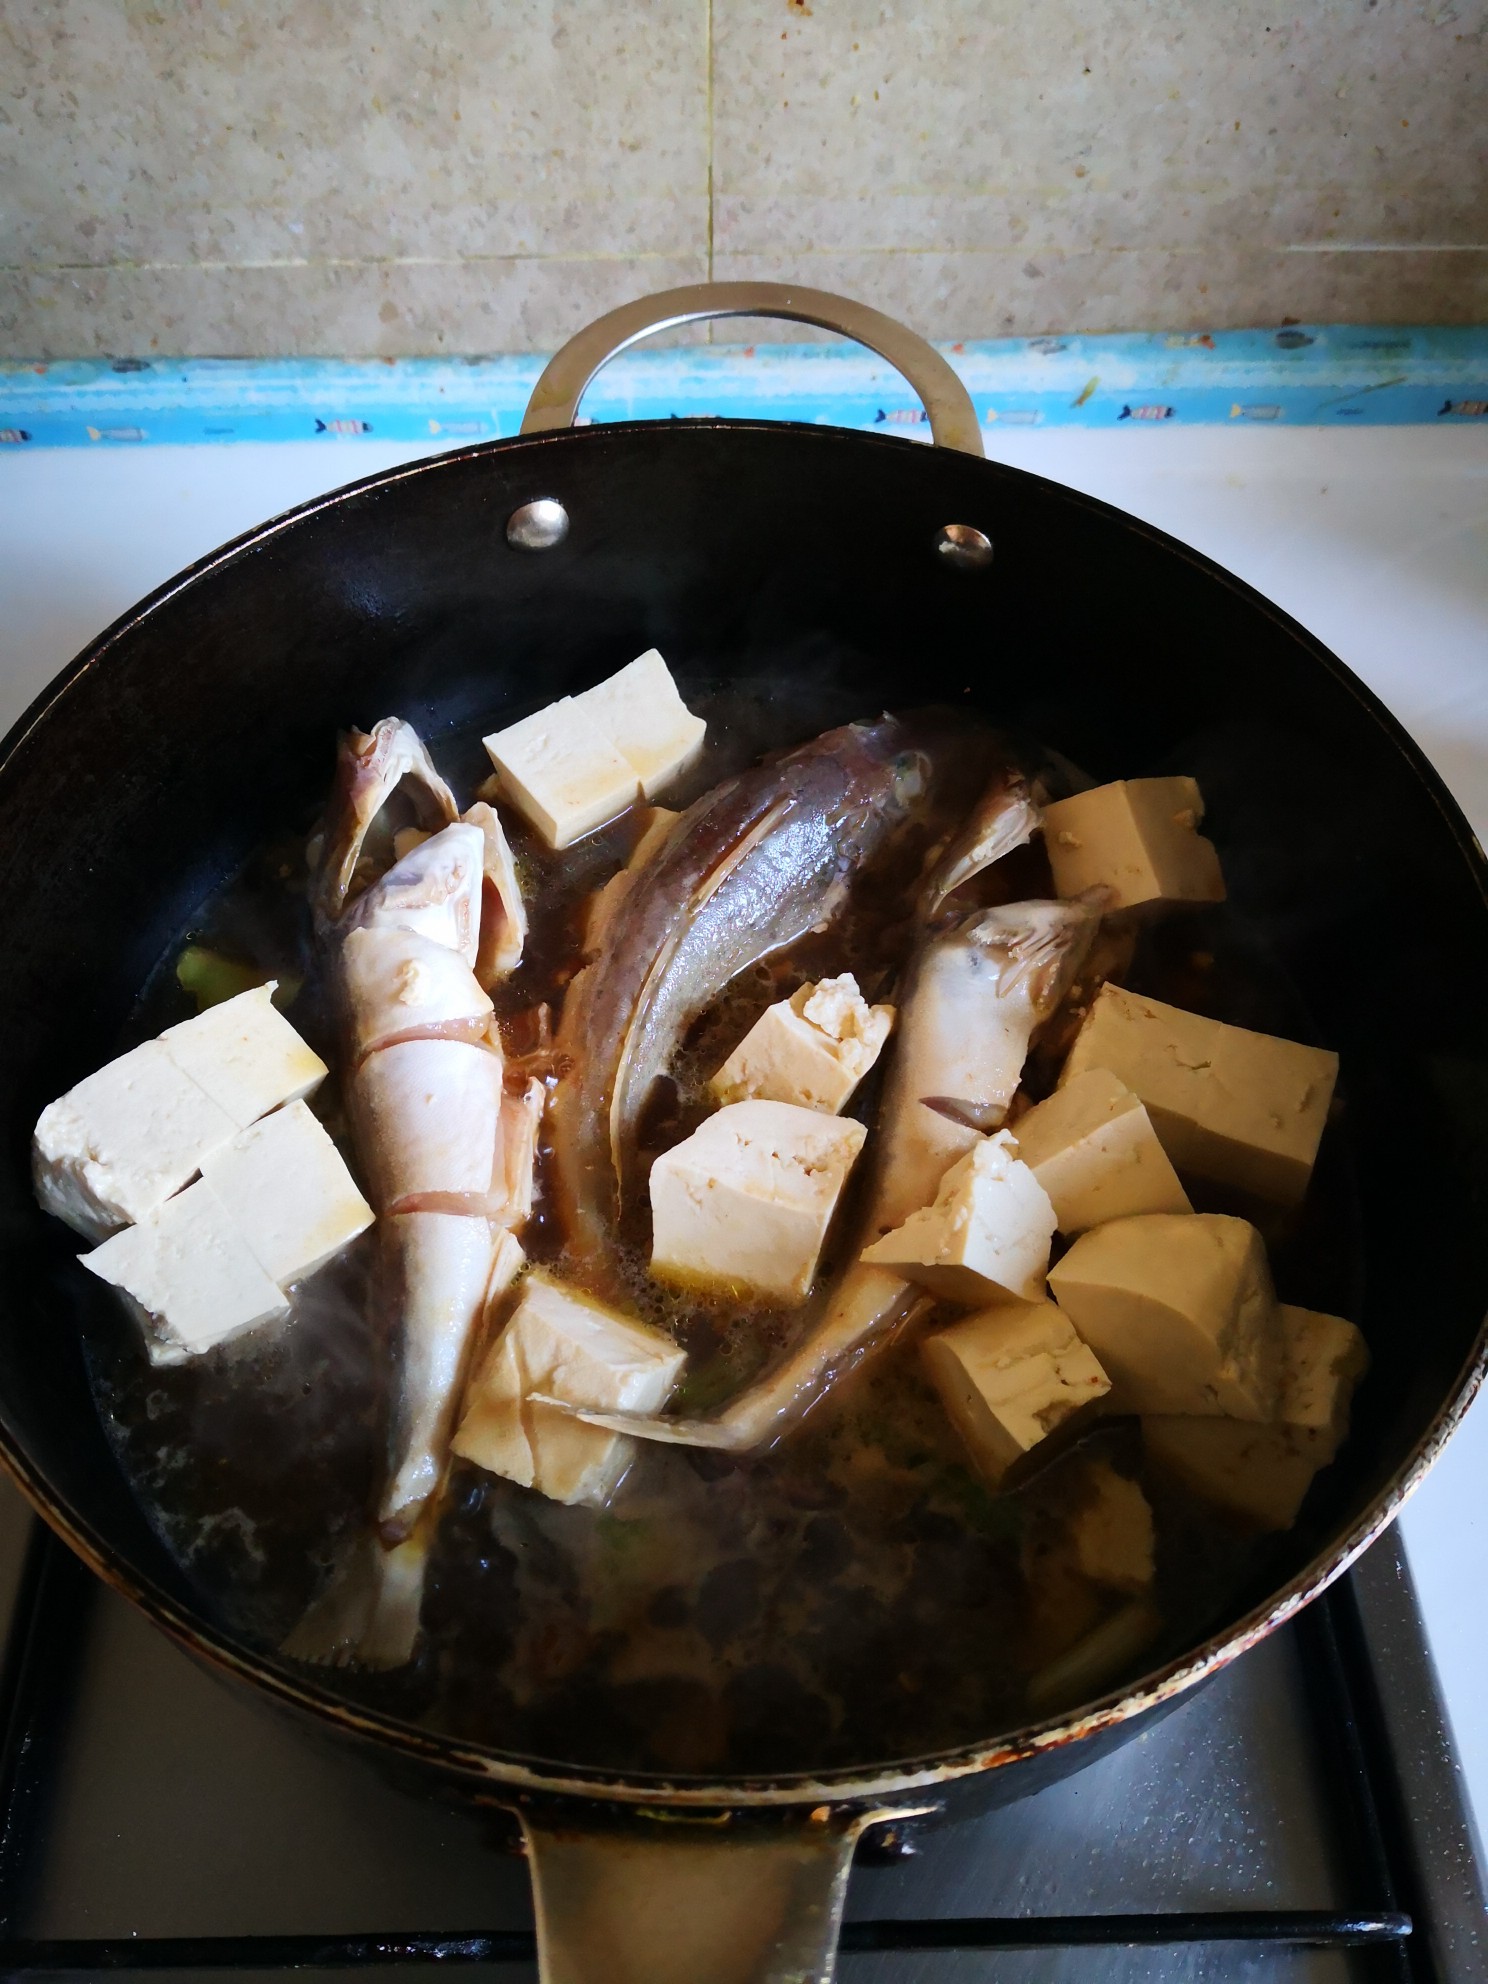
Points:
[1303,1816]
[1300,1817]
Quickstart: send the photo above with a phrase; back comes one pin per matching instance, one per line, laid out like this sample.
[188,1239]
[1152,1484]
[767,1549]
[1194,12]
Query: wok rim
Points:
[484,1768]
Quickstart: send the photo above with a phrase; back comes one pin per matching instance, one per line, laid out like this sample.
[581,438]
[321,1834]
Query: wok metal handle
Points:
[555,398]
[691,1902]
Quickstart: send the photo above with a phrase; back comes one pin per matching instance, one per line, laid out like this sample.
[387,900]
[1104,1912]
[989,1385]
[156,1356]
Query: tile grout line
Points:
[904,249]
[708,126]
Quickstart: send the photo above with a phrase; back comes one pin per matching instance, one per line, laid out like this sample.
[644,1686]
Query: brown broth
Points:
[854,1595]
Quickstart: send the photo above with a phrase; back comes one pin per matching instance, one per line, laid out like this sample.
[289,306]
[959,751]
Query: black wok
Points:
[202,722]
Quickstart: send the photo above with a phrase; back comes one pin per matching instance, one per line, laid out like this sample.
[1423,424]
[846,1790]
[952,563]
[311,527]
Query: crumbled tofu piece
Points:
[985,1239]
[640,712]
[1008,1376]
[813,1048]
[1138,837]
[1234,1107]
[289,1192]
[562,773]
[1262,1473]
[604,905]
[246,1056]
[1180,1310]
[1093,1149]
[189,1276]
[580,762]
[1112,1531]
[745,1201]
[119,1144]
[428,1117]
[561,1344]
[399,985]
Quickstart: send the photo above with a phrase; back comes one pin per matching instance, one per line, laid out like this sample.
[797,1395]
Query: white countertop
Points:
[1375,538]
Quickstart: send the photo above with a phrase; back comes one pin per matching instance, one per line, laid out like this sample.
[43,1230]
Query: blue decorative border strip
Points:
[1313,375]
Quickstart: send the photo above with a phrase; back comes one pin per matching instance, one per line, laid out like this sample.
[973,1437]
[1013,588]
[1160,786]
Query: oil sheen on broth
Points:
[853,1595]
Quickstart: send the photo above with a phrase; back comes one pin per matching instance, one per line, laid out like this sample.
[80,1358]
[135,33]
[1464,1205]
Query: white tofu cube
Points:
[1255,1473]
[561,1344]
[1139,838]
[582,761]
[640,712]
[189,1276]
[1261,1473]
[1180,1310]
[1237,1108]
[562,773]
[1093,1149]
[289,1192]
[985,1239]
[812,1049]
[1325,1359]
[246,1056]
[744,1202]
[119,1144]
[1008,1377]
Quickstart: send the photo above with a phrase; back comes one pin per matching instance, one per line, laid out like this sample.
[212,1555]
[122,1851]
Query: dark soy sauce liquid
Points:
[852,1596]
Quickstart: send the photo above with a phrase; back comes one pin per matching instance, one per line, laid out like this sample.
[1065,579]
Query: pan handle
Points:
[684,1900]
[555,398]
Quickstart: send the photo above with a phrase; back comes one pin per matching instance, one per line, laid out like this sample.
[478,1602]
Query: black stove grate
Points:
[1371,1807]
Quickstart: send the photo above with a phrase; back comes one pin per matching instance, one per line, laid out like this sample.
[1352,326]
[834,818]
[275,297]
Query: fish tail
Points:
[368,1615]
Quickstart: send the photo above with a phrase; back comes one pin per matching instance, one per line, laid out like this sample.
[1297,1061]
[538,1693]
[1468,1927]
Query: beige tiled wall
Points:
[391,176]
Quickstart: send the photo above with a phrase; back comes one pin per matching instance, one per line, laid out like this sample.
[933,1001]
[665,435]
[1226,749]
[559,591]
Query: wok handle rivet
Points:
[964,546]
[538,525]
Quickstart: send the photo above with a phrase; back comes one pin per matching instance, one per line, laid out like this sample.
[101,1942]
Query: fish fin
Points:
[867,1308]
[1042,944]
[368,1615]
[982,1117]
[643,1426]
[503,921]
[394,1624]
[739,850]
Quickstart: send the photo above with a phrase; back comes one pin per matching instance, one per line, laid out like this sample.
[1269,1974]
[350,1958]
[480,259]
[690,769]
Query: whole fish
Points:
[755,864]
[446,1143]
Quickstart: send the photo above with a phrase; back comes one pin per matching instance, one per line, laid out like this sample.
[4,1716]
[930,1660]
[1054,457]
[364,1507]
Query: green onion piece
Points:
[210,978]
